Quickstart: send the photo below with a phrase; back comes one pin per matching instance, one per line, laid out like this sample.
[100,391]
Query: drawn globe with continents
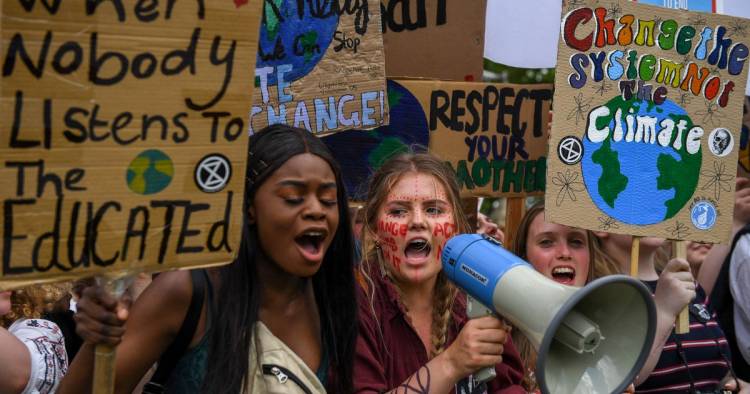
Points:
[150,172]
[640,182]
[295,34]
[362,152]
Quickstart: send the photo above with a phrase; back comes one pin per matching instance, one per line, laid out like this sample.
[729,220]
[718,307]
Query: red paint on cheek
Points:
[390,243]
[438,230]
[450,229]
[240,3]
[392,228]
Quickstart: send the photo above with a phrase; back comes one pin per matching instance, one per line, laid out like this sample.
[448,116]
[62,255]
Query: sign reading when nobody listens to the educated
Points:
[320,66]
[124,135]
[648,110]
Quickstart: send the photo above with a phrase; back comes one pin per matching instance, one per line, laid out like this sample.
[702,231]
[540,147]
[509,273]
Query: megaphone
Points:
[593,339]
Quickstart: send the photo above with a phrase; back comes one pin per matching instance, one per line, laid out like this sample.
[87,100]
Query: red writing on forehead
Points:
[446,229]
[392,228]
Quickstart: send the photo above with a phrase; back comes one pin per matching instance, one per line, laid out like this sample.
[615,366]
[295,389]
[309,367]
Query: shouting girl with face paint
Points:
[413,331]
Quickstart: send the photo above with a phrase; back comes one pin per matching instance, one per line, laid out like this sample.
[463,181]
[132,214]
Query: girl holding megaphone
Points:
[414,334]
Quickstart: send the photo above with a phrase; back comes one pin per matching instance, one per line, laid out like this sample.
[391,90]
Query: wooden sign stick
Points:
[635,251]
[514,210]
[682,325]
[104,355]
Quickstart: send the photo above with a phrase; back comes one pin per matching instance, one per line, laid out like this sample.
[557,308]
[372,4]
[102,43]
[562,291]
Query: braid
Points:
[528,358]
[445,294]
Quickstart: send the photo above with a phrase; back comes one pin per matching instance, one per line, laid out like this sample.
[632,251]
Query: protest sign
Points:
[494,136]
[434,39]
[691,5]
[648,108]
[320,66]
[124,135]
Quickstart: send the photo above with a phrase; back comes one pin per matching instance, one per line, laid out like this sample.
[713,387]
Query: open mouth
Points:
[311,243]
[417,249]
[564,275]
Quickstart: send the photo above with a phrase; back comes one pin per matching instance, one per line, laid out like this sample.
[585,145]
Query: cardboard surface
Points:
[123,135]
[646,144]
[434,39]
[504,156]
[493,135]
[320,67]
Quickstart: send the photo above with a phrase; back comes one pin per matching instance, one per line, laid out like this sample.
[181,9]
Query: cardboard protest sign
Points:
[435,39]
[320,66]
[691,5]
[123,135]
[648,109]
[494,136]
[361,153]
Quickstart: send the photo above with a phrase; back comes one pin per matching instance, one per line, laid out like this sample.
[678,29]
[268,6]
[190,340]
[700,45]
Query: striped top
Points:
[692,358]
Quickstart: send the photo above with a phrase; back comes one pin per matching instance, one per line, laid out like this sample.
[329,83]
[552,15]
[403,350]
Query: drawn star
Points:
[719,179]
[568,184]
[607,223]
[603,88]
[614,10]
[698,20]
[712,113]
[715,71]
[738,27]
[679,230]
[581,108]
[685,99]
[658,20]
[686,60]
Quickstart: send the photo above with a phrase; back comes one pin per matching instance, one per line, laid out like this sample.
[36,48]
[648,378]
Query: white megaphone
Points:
[593,339]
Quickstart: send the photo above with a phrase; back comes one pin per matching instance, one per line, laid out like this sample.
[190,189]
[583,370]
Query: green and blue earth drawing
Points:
[150,172]
[304,38]
[635,182]
[362,152]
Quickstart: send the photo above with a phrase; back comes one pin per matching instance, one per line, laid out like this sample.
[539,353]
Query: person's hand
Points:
[630,389]
[742,202]
[736,386]
[675,288]
[101,317]
[488,227]
[479,344]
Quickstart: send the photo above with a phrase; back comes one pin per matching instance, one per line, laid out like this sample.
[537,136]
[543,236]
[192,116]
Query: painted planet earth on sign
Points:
[641,179]
[362,152]
[293,38]
[150,172]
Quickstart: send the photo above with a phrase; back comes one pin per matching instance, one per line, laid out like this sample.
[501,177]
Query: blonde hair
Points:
[600,265]
[32,301]
[384,179]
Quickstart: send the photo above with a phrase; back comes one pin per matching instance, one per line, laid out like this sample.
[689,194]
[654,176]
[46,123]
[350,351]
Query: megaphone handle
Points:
[476,309]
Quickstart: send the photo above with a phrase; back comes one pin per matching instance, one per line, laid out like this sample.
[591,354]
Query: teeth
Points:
[314,233]
[563,270]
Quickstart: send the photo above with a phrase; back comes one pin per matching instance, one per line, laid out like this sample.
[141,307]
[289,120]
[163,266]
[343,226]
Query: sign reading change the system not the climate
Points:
[123,136]
[320,66]
[648,114]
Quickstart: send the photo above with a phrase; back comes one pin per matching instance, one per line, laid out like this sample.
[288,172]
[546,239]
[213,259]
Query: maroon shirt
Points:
[389,350]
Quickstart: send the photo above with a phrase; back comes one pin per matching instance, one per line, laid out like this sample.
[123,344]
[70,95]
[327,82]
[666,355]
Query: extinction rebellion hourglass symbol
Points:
[570,150]
[212,173]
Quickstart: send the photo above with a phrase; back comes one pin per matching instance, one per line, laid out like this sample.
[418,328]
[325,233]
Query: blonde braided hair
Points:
[380,184]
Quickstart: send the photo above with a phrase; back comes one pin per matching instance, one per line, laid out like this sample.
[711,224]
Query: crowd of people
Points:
[311,305]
